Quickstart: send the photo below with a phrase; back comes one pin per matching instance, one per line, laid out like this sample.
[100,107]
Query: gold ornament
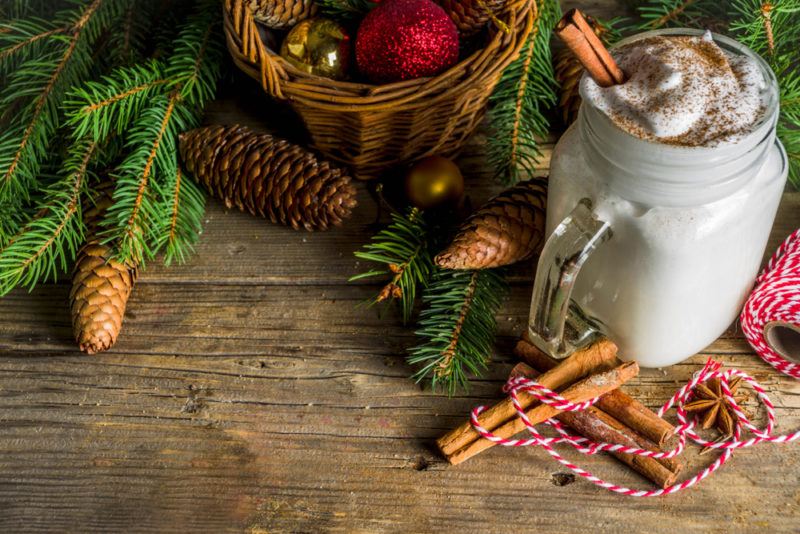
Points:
[434,181]
[318,46]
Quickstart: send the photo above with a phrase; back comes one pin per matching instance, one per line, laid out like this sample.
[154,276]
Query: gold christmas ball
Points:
[318,46]
[434,181]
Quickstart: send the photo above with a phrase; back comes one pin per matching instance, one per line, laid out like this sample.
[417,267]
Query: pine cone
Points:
[268,177]
[282,14]
[100,288]
[469,15]
[568,72]
[507,229]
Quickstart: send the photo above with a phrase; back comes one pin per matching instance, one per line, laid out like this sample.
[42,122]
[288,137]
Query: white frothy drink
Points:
[682,162]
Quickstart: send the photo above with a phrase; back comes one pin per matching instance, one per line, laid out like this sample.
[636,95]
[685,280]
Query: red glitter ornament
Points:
[405,39]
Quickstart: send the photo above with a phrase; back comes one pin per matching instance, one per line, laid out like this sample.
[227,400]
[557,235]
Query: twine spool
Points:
[771,316]
[783,338]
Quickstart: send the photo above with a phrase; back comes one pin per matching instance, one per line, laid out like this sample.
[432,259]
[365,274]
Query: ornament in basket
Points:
[370,128]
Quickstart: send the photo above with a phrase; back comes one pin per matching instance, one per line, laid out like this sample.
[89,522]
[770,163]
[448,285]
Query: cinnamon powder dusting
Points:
[684,91]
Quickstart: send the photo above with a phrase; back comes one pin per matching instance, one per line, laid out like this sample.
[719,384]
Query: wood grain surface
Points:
[249,392]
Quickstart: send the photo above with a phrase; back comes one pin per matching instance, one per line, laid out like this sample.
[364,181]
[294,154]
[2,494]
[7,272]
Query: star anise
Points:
[711,406]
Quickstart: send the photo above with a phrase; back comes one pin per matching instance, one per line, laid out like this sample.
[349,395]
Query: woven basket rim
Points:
[343,95]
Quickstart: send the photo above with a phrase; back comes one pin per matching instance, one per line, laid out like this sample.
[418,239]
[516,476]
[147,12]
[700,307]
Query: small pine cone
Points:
[100,289]
[507,229]
[568,72]
[268,177]
[469,15]
[282,14]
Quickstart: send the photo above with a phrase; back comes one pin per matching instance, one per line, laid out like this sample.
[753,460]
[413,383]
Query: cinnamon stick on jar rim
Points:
[589,49]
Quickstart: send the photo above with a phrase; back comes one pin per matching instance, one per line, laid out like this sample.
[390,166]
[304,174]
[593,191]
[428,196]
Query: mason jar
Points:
[654,245]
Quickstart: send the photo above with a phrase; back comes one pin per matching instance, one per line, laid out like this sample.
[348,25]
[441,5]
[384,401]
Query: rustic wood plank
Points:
[249,392]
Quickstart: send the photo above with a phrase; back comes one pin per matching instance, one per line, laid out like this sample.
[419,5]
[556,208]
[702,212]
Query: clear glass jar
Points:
[654,245]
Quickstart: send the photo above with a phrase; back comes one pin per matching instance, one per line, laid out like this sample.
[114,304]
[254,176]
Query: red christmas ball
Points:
[405,39]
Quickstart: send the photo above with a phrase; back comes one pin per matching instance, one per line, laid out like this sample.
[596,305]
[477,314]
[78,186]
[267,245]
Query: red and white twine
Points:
[684,430]
[776,297]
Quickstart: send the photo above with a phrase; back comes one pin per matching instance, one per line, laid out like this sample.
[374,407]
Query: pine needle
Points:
[49,242]
[521,101]
[345,9]
[402,247]
[98,108]
[457,327]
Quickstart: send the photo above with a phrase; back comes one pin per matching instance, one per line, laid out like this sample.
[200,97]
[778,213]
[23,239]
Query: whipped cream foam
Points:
[682,90]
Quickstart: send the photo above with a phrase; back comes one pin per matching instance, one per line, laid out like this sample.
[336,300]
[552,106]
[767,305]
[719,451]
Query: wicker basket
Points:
[370,128]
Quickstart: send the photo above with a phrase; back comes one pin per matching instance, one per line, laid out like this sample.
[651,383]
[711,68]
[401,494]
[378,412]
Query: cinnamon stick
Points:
[588,388]
[597,425]
[616,403]
[600,354]
[589,49]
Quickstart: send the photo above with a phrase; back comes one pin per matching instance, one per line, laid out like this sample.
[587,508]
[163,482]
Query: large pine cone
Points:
[507,229]
[282,14]
[268,177]
[469,15]
[101,287]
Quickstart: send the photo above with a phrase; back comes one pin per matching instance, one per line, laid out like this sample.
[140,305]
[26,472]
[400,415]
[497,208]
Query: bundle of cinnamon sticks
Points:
[615,418]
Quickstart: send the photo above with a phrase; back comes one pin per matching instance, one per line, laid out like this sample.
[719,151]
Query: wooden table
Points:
[250,392]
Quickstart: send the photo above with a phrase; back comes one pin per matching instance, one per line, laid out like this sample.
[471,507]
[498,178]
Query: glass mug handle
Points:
[557,326]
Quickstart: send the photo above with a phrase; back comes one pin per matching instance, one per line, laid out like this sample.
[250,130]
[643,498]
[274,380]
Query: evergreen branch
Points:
[184,218]
[522,98]
[403,248]
[149,187]
[657,14]
[14,217]
[131,218]
[15,9]
[766,17]
[195,63]
[457,327]
[671,15]
[20,40]
[772,28]
[110,104]
[24,144]
[345,10]
[127,41]
[51,239]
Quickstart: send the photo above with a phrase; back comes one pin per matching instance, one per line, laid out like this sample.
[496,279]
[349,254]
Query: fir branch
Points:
[98,108]
[51,239]
[127,41]
[402,248]
[457,327]
[24,144]
[184,218]
[345,10]
[772,29]
[523,96]
[22,39]
[655,14]
[195,63]
[130,220]
[148,186]
[669,13]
